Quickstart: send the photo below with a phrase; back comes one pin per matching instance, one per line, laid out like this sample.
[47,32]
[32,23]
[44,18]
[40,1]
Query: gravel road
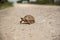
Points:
[46,27]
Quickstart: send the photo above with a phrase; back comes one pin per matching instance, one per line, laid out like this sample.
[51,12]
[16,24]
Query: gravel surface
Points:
[46,27]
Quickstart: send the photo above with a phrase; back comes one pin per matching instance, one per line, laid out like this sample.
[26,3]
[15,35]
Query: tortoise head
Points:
[21,19]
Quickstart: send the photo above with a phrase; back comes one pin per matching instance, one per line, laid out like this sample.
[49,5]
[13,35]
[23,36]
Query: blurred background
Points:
[8,3]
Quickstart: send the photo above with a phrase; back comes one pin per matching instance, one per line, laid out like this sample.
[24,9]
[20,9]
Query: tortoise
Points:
[29,19]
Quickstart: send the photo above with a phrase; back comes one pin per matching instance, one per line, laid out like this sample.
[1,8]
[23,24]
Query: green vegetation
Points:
[57,3]
[43,1]
[20,1]
[49,2]
[4,4]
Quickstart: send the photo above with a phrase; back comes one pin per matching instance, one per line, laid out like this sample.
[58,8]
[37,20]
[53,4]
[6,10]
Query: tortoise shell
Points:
[28,19]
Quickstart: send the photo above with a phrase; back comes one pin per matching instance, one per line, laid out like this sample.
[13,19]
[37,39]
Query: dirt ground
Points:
[46,27]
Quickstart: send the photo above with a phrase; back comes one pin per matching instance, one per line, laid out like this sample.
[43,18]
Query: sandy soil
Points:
[46,27]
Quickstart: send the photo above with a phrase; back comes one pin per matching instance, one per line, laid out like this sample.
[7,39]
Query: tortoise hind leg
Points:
[32,21]
[28,22]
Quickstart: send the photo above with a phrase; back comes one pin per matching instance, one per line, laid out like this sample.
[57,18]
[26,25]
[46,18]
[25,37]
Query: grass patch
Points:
[45,3]
[5,5]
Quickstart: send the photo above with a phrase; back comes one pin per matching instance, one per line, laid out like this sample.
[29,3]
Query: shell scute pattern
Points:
[29,19]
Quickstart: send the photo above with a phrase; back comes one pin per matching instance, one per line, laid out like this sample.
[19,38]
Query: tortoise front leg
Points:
[20,22]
